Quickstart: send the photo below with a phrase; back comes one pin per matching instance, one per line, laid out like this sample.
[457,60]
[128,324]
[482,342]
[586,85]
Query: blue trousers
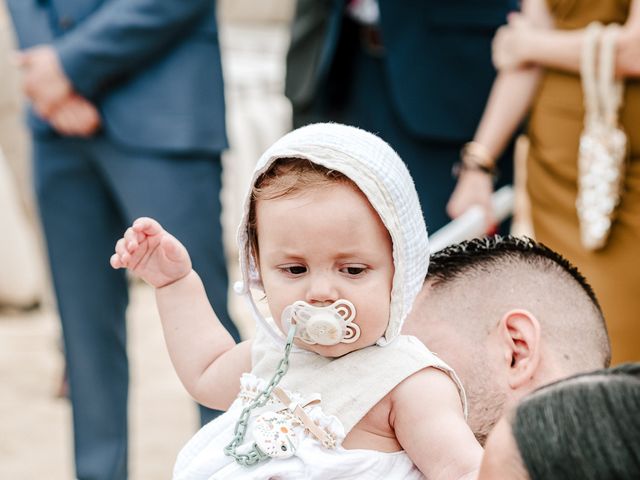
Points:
[89,191]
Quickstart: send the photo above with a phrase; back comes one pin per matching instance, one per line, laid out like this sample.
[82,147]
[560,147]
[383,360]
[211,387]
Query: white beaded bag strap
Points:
[588,72]
[603,143]
[610,89]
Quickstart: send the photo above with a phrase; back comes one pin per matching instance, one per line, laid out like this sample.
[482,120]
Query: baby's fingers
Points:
[119,259]
[147,226]
[115,261]
[128,251]
[131,239]
[136,253]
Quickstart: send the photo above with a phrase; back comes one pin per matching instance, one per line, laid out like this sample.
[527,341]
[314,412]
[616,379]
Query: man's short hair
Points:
[549,282]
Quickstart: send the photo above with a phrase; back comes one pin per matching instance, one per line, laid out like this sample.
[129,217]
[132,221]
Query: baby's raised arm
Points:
[205,356]
[428,419]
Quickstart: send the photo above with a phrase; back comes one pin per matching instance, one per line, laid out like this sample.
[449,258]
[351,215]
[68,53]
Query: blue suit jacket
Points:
[437,61]
[152,67]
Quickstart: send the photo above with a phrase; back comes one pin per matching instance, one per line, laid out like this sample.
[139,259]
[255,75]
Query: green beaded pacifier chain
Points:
[256,455]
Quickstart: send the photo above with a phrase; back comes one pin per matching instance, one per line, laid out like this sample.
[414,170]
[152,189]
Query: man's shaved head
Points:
[460,315]
[505,273]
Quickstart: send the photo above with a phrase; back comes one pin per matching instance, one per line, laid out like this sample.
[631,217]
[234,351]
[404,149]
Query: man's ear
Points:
[520,331]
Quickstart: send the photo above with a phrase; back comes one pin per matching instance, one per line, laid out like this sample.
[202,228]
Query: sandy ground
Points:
[35,424]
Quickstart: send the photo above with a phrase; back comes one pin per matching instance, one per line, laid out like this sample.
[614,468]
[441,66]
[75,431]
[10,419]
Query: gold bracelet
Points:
[460,167]
[478,155]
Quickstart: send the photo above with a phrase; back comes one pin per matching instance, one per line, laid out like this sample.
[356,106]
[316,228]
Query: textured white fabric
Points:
[382,176]
[351,385]
[348,387]
[202,458]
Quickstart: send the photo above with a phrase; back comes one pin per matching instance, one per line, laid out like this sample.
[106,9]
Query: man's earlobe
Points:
[521,331]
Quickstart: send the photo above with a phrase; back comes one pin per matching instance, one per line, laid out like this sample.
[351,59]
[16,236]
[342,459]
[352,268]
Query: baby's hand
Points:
[151,253]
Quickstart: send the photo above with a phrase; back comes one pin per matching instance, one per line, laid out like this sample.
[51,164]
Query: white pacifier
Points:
[328,325]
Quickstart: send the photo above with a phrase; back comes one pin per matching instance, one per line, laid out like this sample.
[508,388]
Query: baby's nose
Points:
[322,291]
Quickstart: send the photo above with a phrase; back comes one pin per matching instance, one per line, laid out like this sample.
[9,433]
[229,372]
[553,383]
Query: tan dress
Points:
[555,125]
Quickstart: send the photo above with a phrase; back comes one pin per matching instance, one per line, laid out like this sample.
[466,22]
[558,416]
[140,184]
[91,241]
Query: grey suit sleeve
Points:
[118,38]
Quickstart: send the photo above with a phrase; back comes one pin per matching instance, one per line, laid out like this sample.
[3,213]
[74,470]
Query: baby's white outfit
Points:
[348,388]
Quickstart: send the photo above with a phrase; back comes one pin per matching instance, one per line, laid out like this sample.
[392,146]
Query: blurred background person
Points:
[539,56]
[582,428]
[119,91]
[416,72]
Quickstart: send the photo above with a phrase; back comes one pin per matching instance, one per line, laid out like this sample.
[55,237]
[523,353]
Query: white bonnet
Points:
[381,175]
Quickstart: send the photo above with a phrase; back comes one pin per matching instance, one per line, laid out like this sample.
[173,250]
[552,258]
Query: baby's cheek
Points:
[376,327]
[369,336]
[276,313]
[277,318]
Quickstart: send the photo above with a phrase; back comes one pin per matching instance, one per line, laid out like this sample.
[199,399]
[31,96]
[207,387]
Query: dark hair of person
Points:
[481,254]
[586,427]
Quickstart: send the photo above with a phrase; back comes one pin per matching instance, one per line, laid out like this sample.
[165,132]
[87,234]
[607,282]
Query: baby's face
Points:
[323,245]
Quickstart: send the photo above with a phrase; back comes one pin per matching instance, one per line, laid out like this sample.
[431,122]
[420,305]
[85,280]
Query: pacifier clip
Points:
[274,434]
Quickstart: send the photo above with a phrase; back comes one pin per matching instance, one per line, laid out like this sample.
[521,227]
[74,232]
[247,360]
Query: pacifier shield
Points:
[326,326]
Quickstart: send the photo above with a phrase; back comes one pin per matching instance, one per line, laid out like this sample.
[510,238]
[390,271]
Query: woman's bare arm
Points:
[508,103]
[526,43]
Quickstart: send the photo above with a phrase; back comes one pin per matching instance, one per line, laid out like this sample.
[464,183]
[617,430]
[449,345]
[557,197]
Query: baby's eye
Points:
[294,269]
[354,271]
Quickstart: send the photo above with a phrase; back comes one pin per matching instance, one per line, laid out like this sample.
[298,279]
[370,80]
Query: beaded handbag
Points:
[603,144]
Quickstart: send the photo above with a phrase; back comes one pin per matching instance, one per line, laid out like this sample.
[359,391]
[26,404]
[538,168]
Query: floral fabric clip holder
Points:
[275,431]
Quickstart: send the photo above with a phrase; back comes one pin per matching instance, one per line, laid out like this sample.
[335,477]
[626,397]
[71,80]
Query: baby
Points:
[334,237]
